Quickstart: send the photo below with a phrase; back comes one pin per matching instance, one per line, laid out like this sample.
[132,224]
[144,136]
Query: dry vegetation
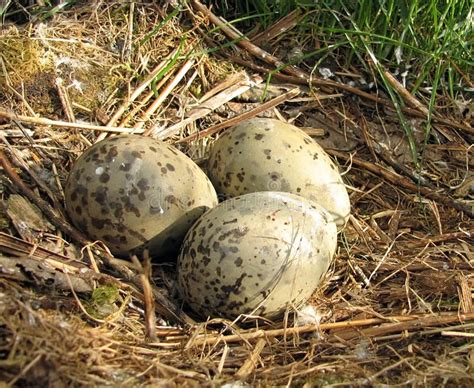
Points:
[396,307]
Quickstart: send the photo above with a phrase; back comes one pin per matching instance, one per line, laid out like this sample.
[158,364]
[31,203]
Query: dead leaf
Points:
[27,218]
[30,270]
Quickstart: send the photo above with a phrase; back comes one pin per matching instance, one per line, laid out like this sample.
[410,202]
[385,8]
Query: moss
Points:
[31,66]
[102,301]
[22,58]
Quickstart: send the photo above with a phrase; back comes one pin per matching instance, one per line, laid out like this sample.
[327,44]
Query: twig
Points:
[431,266]
[463,74]
[179,372]
[147,97]
[42,273]
[13,90]
[440,238]
[8,132]
[143,101]
[449,333]
[465,294]
[388,157]
[19,162]
[41,203]
[56,123]
[63,265]
[25,370]
[18,247]
[438,330]
[28,251]
[220,367]
[409,98]
[244,116]
[367,138]
[28,135]
[127,47]
[318,102]
[126,104]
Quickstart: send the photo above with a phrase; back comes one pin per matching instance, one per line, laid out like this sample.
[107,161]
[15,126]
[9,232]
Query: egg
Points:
[135,193]
[269,155]
[259,254]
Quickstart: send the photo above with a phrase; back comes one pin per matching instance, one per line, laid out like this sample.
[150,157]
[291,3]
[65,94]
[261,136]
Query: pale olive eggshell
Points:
[135,193]
[259,253]
[268,155]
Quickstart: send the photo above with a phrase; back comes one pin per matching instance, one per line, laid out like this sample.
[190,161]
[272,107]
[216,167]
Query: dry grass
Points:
[396,307]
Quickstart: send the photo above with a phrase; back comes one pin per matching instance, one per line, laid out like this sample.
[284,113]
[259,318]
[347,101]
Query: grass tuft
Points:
[426,44]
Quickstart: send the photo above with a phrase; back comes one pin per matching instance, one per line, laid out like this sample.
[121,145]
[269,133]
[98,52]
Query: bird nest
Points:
[396,305]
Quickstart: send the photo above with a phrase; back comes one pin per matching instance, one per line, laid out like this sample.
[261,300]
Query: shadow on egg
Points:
[165,244]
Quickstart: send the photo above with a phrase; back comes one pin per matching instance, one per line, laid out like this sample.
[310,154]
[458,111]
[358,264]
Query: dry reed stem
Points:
[415,324]
[150,316]
[242,40]
[210,105]
[144,100]
[449,333]
[65,101]
[138,90]
[162,97]
[213,339]
[401,181]
[407,96]
[283,25]
[318,82]
[65,124]
[244,116]
[18,247]
[227,83]
[250,363]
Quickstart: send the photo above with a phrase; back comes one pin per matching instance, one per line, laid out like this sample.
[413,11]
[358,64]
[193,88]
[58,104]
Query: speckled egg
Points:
[135,193]
[269,155]
[258,253]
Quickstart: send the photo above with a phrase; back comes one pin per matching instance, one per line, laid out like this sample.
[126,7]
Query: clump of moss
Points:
[103,301]
[33,59]
[21,58]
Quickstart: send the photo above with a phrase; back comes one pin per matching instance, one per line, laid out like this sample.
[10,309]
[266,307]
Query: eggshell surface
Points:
[259,253]
[268,155]
[137,193]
